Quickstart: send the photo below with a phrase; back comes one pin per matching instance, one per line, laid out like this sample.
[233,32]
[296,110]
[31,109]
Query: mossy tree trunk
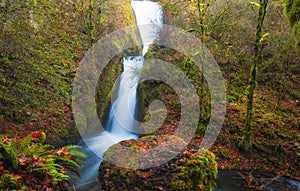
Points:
[252,82]
[201,12]
[206,22]
[292,11]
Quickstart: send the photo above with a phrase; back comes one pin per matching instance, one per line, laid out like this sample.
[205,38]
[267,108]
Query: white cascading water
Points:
[120,124]
[148,13]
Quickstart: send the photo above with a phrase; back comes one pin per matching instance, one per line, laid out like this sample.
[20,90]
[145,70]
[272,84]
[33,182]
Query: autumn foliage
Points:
[26,163]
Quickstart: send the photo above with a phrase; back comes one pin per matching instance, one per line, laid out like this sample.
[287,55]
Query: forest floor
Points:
[275,140]
[275,135]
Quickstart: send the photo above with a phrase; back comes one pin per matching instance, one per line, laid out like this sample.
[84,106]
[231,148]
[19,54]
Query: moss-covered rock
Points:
[197,173]
[189,170]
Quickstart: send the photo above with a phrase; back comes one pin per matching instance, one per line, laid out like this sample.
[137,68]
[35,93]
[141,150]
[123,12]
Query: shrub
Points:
[26,163]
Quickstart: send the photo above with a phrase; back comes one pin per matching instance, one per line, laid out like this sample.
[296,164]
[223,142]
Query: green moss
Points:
[126,174]
[197,173]
[292,10]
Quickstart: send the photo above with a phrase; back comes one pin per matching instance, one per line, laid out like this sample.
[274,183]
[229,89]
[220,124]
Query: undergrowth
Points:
[27,163]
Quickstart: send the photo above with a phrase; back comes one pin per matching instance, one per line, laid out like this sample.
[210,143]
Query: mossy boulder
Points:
[197,173]
[189,170]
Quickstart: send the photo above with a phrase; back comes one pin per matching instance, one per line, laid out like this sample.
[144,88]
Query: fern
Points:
[7,182]
[9,154]
[75,150]
[68,161]
[27,163]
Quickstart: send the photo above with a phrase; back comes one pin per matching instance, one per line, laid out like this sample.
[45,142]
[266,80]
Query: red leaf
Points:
[2,170]
[200,186]
[5,140]
[36,134]
[68,156]
[63,170]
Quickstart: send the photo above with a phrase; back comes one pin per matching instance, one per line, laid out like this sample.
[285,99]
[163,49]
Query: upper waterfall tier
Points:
[149,18]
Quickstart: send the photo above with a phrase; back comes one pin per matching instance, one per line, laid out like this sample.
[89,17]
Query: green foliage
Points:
[41,45]
[8,154]
[28,163]
[292,10]
[255,4]
[10,182]
[197,173]
[224,153]
[232,46]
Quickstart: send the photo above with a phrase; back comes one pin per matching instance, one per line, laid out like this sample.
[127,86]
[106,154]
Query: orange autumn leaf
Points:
[63,151]
[200,186]
[145,174]
[5,140]
[23,159]
[41,161]
[2,170]
[63,170]
[69,156]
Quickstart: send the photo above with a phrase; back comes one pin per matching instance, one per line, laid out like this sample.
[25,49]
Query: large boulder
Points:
[189,170]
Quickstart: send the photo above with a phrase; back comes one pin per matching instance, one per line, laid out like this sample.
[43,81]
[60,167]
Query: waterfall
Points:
[149,17]
[120,123]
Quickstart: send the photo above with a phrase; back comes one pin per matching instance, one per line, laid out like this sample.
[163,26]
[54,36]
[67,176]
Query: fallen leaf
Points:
[63,151]
[23,159]
[41,161]
[6,140]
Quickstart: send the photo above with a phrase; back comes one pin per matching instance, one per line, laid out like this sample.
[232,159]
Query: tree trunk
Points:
[202,32]
[252,82]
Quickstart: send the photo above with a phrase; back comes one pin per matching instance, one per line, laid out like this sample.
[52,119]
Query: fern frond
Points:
[75,150]
[9,154]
